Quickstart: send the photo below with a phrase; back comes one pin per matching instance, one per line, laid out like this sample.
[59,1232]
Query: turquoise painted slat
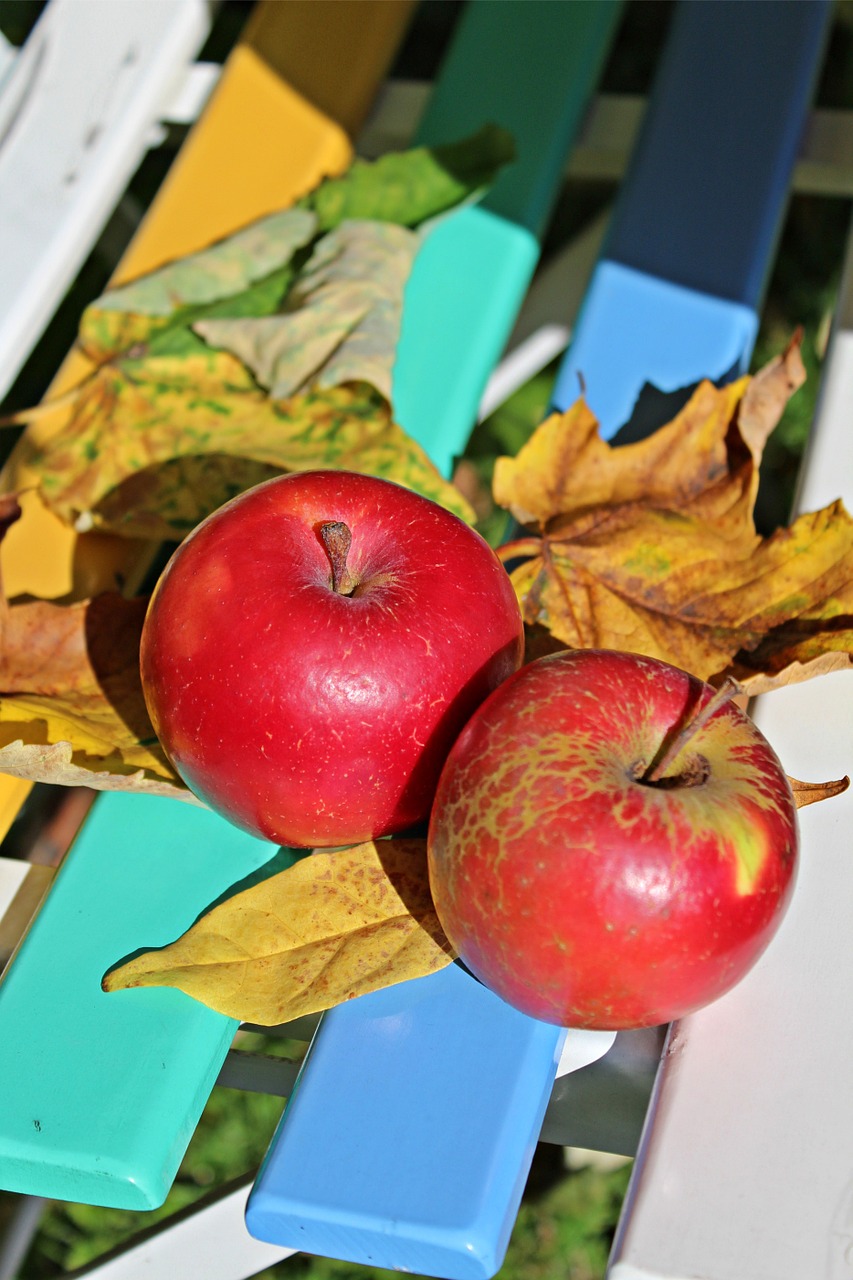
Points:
[529,65]
[152,1051]
[455,324]
[101,1093]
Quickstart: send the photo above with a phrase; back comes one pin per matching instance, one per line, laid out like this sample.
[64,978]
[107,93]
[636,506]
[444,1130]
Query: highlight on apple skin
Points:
[314,647]
[580,890]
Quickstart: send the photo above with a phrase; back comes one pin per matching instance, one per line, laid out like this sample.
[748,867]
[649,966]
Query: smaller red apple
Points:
[580,886]
[314,647]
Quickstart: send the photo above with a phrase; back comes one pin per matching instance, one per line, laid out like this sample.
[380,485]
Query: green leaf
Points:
[408,187]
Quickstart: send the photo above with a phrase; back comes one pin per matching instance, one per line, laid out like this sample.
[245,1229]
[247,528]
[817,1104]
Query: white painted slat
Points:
[76,110]
[8,54]
[211,1241]
[746,1166]
[23,886]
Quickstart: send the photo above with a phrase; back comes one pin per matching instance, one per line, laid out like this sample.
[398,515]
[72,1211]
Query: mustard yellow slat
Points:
[259,145]
[335,65]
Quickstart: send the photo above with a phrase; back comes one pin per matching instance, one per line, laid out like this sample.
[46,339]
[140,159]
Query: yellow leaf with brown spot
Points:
[652,546]
[333,926]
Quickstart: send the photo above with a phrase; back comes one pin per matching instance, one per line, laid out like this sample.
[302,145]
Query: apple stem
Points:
[337,539]
[724,694]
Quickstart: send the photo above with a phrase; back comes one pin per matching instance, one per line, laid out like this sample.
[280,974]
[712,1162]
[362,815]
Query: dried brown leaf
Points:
[811,792]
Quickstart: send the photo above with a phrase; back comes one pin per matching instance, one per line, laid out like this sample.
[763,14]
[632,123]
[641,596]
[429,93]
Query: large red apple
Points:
[314,647]
[579,889]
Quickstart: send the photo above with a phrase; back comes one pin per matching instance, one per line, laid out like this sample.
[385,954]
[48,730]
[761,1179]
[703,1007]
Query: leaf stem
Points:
[724,694]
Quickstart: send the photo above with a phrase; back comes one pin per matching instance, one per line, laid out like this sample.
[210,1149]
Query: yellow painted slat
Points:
[335,65]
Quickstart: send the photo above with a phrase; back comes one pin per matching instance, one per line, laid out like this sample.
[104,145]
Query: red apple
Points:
[580,890]
[314,647]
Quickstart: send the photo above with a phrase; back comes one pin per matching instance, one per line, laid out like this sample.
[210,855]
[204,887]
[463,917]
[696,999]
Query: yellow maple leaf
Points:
[153,445]
[652,546]
[333,926]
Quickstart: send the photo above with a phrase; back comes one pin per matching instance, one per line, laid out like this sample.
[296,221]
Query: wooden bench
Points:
[653,1240]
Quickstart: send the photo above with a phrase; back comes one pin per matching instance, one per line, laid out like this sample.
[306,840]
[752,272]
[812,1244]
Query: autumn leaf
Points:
[155,445]
[226,278]
[164,432]
[248,273]
[652,546]
[811,792]
[71,703]
[332,926]
[342,318]
[410,186]
[69,677]
[56,763]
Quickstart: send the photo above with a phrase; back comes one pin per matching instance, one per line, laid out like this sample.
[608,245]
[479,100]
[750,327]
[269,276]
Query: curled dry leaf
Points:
[342,318]
[55,763]
[71,704]
[69,674]
[332,926]
[810,792]
[652,546]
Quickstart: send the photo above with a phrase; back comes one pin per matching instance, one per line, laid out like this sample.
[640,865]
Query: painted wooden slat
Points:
[456,1044]
[719,188]
[209,1239]
[76,113]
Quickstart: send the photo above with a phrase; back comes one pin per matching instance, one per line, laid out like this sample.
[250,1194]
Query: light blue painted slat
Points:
[471,1165]
[153,1051]
[660,332]
[347,1210]
[462,297]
